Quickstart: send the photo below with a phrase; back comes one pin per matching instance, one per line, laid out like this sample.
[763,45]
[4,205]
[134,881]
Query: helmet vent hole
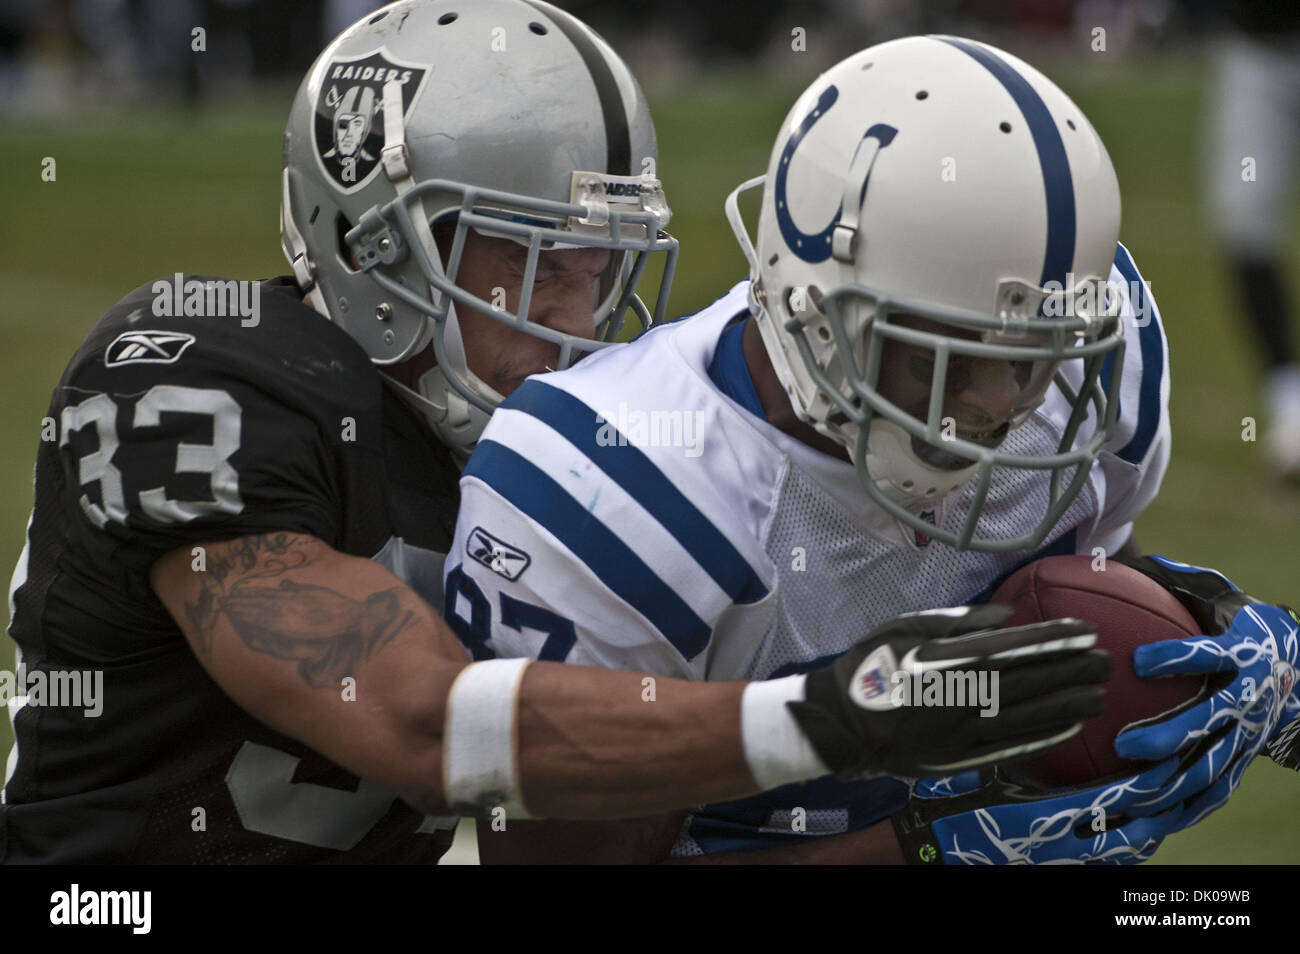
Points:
[1004,126]
[1070,123]
[922,94]
[377,17]
[538,28]
[909,484]
[866,66]
[772,260]
[447,18]
[311,220]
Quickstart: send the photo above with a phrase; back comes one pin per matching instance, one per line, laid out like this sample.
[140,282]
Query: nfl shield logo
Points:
[349,127]
[872,684]
[923,539]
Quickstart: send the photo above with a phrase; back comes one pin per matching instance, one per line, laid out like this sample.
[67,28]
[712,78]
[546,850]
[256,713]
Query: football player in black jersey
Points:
[242,523]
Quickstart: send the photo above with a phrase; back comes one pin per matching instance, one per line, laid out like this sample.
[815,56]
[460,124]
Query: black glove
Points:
[1205,593]
[1038,683]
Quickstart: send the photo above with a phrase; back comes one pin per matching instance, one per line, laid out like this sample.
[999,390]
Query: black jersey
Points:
[168,431]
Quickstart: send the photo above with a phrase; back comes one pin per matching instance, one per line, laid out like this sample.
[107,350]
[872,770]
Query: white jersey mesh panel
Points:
[853,581]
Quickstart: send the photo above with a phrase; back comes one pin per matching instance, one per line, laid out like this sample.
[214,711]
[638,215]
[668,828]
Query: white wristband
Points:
[776,749]
[480,750]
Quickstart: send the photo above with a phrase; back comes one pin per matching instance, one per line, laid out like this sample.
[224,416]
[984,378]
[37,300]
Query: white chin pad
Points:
[898,472]
[433,387]
[457,420]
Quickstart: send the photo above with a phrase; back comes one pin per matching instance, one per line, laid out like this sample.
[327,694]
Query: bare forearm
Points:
[331,650]
[335,651]
[595,744]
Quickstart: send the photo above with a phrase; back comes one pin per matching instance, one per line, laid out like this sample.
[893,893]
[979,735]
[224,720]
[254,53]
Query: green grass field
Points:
[143,195]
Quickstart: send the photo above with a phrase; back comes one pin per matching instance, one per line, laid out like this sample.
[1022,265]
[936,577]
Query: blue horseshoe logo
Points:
[815,247]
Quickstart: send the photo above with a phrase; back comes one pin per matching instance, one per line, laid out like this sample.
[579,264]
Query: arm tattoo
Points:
[326,631]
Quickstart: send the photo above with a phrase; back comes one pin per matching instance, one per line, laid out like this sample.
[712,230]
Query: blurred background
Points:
[166,158]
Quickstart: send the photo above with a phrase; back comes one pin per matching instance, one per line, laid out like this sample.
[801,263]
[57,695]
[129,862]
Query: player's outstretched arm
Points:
[1047,683]
[337,652]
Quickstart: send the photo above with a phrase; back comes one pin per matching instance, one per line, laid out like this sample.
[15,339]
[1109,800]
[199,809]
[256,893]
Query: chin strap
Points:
[457,423]
[731,206]
[295,250]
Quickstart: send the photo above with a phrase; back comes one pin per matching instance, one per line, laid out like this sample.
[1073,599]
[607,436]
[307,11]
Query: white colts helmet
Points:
[938,178]
[509,117]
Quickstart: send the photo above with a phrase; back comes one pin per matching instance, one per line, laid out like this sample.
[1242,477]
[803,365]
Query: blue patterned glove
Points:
[1224,732]
[991,820]
[1251,706]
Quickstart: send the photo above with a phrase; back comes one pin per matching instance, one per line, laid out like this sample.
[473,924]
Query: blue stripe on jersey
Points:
[535,494]
[632,470]
[1153,362]
[1058,256]
[730,373]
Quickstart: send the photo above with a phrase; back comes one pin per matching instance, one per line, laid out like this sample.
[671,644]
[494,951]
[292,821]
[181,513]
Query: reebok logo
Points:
[497,555]
[147,347]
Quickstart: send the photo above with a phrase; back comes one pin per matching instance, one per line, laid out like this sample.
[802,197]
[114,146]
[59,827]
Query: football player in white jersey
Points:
[943,366]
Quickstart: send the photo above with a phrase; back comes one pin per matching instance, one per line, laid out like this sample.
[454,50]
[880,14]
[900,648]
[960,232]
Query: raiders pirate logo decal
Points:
[350,114]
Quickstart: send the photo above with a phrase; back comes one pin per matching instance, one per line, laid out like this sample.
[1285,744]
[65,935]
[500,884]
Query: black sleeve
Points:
[180,429]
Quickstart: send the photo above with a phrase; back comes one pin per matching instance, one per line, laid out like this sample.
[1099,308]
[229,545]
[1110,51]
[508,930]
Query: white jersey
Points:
[638,512]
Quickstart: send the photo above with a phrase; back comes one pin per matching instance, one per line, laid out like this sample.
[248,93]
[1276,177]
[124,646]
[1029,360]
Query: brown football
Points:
[1128,609]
